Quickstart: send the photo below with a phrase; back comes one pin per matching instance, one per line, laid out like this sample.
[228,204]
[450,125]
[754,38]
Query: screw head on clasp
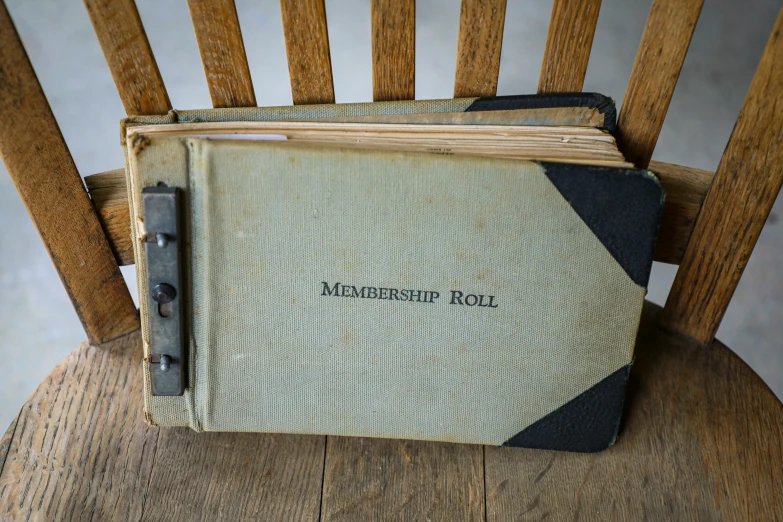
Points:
[163,293]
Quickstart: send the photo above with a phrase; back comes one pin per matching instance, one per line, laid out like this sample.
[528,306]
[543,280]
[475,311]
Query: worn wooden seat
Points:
[702,436]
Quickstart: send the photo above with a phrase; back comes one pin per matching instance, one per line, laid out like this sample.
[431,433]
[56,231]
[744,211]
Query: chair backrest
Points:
[710,224]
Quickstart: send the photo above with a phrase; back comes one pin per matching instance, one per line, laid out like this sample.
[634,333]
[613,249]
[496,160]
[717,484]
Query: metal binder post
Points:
[163,247]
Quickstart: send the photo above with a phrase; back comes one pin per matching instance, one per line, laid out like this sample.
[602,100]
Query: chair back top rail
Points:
[685,190]
[41,166]
[692,311]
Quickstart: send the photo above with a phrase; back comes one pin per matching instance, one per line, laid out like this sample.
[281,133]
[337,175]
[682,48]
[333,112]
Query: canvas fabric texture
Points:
[271,222]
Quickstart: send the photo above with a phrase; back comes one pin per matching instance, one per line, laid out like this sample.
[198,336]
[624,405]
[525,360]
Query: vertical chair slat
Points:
[393,49]
[742,193]
[665,42]
[568,45]
[41,166]
[128,53]
[478,51]
[222,52]
[307,47]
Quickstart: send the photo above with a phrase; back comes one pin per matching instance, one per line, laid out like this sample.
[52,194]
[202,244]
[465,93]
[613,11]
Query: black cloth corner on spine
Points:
[592,100]
[586,424]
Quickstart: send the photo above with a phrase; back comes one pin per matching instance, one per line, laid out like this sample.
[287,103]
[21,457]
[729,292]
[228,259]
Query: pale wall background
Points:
[38,327]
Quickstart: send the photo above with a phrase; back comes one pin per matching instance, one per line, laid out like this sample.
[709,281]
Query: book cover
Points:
[401,294]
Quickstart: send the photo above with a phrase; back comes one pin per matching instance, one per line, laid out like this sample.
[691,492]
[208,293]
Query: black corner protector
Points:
[607,107]
[586,424]
[621,206]
[592,100]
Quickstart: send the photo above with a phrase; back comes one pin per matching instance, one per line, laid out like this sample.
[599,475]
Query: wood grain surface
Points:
[685,190]
[82,451]
[109,196]
[234,476]
[128,53]
[702,438]
[5,443]
[746,184]
[382,479]
[45,175]
[222,52]
[659,60]
[307,47]
[481,24]
[568,45]
[393,49]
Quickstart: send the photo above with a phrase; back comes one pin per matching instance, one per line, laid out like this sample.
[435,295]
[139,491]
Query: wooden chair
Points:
[702,434]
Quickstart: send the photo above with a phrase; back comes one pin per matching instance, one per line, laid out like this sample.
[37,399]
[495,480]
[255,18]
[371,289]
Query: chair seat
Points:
[701,437]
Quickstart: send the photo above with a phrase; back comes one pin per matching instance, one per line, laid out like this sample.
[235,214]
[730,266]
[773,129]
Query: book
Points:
[423,281]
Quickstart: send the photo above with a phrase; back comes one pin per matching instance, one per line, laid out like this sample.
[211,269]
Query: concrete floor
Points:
[37,324]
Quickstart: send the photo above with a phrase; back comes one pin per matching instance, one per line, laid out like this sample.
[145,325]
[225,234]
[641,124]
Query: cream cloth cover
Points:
[274,226]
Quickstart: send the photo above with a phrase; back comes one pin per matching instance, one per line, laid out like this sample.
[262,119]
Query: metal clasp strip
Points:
[163,249]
